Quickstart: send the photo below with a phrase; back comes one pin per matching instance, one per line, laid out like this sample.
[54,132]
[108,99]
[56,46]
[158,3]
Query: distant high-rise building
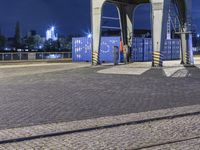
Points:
[50,34]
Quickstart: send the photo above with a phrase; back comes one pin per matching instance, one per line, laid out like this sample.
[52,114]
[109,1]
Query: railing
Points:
[31,56]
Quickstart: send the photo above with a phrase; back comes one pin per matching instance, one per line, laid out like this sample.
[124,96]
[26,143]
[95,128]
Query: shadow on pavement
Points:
[154,72]
[193,72]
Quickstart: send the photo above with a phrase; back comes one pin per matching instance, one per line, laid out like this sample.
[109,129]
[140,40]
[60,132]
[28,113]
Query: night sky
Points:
[69,17]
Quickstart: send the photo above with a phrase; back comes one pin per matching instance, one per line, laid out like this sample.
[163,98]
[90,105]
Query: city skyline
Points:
[39,15]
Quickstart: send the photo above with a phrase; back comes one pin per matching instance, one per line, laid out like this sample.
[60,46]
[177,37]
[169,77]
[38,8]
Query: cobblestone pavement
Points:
[59,106]
[60,93]
[173,128]
[31,69]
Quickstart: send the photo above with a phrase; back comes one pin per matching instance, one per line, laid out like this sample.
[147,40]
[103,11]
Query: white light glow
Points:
[89,35]
[50,34]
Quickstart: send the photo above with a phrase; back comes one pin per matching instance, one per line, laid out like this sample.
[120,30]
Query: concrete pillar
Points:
[130,28]
[186,48]
[183,47]
[97,6]
[129,20]
[159,25]
[190,47]
[186,37]
[123,23]
[126,23]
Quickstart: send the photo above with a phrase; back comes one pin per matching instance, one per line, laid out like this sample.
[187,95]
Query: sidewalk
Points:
[175,128]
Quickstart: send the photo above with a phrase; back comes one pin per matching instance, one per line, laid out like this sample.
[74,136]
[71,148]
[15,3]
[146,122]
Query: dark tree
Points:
[48,45]
[30,42]
[17,42]
[2,40]
[51,45]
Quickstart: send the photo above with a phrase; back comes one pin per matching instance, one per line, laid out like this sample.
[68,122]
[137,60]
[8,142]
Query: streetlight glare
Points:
[89,35]
[52,28]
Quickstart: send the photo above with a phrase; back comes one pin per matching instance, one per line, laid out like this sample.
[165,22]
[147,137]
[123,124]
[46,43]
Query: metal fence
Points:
[26,56]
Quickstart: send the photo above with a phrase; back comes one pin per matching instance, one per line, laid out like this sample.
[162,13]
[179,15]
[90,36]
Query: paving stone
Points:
[49,95]
[34,97]
[179,133]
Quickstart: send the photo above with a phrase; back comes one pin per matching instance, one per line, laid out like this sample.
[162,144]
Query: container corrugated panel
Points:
[176,54]
[151,53]
[146,53]
[141,50]
[166,52]
[148,49]
[151,50]
[107,47]
[81,49]
[139,40]
[170,51]
[133,58]
[169,54]
[134,40]
[168,42]
[176,49]
[138,49]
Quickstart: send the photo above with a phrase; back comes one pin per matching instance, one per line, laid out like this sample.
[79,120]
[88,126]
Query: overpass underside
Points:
[159,14]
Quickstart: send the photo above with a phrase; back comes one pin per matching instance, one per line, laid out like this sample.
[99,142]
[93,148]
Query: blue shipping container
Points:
[142,49]
[82,49]
[107,47]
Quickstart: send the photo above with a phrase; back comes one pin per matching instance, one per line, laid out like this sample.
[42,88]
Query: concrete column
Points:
[130,29]
[123,23]
[186,37]
[189,42]
[126,23]
[186,48]
[97,6]
[190,47]
[159,25]
[129,20]
[183,47]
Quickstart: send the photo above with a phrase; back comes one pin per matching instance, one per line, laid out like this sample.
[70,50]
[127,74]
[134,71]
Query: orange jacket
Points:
[121,46]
